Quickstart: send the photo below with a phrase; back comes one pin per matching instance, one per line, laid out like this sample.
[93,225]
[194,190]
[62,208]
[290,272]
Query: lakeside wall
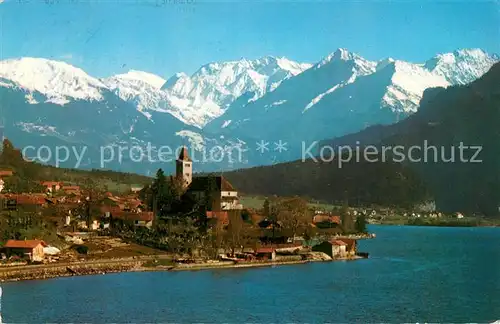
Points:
[44,272]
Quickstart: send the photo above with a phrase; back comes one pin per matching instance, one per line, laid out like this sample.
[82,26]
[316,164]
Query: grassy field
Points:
[253,202]
[256,202]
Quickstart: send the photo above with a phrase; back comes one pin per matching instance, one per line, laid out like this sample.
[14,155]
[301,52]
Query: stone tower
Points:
[184,167]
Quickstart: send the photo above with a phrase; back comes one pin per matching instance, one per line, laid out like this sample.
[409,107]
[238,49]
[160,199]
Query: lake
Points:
[414,274]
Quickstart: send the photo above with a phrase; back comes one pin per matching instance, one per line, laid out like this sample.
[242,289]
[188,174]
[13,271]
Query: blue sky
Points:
[113,36]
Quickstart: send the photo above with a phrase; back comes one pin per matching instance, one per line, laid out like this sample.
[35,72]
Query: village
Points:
[181,221]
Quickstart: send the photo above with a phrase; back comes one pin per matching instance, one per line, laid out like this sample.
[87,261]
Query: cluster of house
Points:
[53,187]
[11,201]
[338,248]
[212,193]
[70,197]
[381,213]
[215,192]
[434,215]
[50,186]
[128,209]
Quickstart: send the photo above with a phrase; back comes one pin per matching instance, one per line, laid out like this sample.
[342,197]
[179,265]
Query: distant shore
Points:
[440,222]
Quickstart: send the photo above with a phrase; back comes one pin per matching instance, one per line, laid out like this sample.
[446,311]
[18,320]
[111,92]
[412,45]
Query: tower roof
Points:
[184,155]
[202,183]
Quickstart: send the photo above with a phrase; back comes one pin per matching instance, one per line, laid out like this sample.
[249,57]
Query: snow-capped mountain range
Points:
[230,103]
[195,100]
[345,92]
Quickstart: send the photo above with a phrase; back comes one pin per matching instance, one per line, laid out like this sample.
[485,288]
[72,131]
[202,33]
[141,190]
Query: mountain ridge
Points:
[228,104]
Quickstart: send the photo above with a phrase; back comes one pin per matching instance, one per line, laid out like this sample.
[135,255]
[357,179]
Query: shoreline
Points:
[40,272]
[436,225]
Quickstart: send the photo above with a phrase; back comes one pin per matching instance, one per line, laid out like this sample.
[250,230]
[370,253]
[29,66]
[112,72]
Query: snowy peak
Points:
[346,87]
[140,88]
[461,66]
[178,78]
[203,96]
[58,81]
[212,88]
[344,55]
[361,66]
[408,84]
[141,76]
[291,66]
[340,54]
[383,63]
[227,75]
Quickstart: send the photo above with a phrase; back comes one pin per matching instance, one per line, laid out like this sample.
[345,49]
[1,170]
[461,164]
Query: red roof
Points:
[265,250]
[6,173]
[326,218]
[203,183]
[26,199]
[133,203]
[71,187]
[111,209]
[26,244]
[144,216]
[183,155]
[338,242]
[219,215]
[51,183]
[349,242]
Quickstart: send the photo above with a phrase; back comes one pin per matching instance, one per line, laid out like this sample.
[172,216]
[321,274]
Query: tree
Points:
[360,224]
[266,208]
[16,184]
[346,219]
[10,156]
[163,193]
[160,194]
[293,214]
[216,238]
[234,229]
[211,187]
[89,205]
[290,213]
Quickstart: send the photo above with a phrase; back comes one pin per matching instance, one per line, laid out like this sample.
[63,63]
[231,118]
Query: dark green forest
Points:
[468,114]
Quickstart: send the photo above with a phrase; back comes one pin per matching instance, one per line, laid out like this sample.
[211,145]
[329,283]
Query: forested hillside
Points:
[360,183]
[27,175]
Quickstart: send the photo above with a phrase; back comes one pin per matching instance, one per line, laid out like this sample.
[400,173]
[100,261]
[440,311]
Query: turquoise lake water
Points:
[414,274]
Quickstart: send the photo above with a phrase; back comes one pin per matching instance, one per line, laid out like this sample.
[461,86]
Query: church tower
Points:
[184,167]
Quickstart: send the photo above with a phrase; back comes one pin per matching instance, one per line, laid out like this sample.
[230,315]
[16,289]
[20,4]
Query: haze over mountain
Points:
[467,114]
[232,104]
